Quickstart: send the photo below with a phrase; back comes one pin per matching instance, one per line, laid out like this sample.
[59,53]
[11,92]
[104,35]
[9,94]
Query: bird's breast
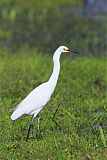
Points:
[43,95]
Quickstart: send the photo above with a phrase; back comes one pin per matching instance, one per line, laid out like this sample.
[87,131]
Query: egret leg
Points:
[38,116]
[29,128]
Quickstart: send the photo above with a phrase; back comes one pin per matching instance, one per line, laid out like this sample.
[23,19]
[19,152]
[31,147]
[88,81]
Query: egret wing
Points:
[34,101]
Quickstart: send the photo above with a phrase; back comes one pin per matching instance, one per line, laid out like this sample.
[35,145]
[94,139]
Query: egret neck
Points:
[56,69]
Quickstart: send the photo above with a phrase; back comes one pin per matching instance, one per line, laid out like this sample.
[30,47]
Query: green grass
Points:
[80,93]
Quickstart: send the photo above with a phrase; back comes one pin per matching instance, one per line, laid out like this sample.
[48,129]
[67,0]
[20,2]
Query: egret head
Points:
[65,49]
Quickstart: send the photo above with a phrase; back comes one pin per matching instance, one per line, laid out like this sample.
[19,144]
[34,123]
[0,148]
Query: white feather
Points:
[39,97]
[34,102]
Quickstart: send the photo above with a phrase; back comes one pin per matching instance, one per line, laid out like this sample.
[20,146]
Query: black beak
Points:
[73,51]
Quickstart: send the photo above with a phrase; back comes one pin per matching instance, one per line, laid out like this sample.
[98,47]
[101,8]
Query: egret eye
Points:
[66,49]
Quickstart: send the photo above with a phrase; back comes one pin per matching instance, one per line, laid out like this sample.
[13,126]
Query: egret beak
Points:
[73,51]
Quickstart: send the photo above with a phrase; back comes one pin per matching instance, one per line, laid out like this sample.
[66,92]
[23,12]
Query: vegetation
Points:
[78,104]
[47,24]
[74,123]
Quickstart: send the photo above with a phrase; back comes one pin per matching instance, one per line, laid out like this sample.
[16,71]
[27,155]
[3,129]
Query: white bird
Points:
[39,97]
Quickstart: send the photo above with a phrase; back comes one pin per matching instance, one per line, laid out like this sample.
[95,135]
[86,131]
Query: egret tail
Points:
[16,114]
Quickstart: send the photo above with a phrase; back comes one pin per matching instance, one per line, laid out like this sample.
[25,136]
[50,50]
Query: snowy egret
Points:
[38,98]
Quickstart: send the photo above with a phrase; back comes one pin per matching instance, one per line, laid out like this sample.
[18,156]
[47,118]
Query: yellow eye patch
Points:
[66,49]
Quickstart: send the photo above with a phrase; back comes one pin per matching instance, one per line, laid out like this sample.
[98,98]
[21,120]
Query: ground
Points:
[78,107]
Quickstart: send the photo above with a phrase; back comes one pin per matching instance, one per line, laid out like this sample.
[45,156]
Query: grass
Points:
[41,23]
[78,105]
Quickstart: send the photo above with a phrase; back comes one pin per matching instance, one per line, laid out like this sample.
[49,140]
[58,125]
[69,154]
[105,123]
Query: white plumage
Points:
[38,98]
[34,102]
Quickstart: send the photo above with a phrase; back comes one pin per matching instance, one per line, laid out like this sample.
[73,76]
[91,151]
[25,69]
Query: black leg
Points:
[29,128]
[38,116]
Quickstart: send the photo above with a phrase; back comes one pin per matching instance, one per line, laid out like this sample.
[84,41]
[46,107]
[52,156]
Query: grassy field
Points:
[78,106]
